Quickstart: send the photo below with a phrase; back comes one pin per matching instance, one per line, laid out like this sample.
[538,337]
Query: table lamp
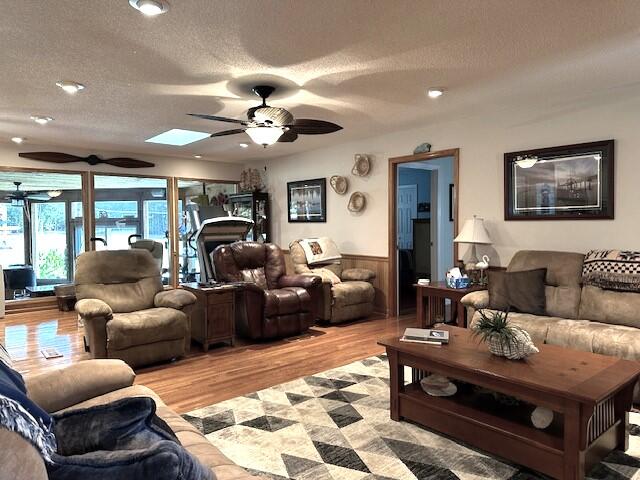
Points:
[474,233]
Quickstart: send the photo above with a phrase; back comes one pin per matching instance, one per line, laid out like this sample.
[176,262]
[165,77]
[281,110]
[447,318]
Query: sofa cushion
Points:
[522,291]
[352,293]
[285,301]
[563,279]
[608,306]
[143,327]
[615,340]
[536,326]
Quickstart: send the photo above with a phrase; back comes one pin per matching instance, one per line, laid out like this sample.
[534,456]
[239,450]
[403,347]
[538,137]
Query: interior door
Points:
[407,211]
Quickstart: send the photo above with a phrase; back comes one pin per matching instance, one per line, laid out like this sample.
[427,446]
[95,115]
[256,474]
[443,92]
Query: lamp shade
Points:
[265,135]
[474,231]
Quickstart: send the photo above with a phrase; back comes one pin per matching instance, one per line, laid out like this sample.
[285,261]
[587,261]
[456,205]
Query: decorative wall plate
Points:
[339,184]
[362,165]
[357,202]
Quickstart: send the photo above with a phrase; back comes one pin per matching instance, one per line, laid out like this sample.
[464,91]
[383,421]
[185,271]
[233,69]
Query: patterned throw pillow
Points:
[612,270]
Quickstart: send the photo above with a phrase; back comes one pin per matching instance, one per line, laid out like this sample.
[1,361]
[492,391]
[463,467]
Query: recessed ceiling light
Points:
[69,86]
[150,8]
[41,119]
[18,140]
[178,137]
[435,92]
[244,145]
[197,156]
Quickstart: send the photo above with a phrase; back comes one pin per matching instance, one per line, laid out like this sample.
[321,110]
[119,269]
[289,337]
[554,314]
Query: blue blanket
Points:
[123,440]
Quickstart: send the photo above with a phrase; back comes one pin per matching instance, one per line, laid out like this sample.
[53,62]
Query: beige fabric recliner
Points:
[126,312]
[347,294]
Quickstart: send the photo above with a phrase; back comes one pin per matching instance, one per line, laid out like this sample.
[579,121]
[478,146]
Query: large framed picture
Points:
[570,182]
[307,200]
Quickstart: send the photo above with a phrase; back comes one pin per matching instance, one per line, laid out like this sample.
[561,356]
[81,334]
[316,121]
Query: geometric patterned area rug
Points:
[335,425]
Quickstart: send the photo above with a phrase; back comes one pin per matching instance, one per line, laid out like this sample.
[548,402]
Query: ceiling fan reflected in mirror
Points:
[18,196]
[267,125]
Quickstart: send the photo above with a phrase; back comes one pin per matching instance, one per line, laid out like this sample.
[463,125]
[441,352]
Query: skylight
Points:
[178,137]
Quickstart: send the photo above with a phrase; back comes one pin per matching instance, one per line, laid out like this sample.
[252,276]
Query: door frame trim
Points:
[393,179]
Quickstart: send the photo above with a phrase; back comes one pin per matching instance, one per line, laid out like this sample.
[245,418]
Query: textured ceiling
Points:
[364,64]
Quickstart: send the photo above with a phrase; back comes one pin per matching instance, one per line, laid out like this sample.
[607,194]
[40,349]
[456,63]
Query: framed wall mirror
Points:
[197,200]
[41,230]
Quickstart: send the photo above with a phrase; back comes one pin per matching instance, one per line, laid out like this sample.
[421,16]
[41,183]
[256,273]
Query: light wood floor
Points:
[202,379]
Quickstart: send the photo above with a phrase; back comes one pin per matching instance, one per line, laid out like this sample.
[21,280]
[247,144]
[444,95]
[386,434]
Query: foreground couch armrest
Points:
[302,281]
[360,274]
[93,308]
[177,298]
[20,459]
[476,300]
[78,382]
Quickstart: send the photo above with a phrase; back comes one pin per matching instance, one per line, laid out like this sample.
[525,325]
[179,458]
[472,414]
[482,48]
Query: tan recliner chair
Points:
[347,294]
[126,312]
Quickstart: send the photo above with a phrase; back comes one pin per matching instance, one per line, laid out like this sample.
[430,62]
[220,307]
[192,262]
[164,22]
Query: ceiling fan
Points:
[267,125]
[22,195]
[57,157]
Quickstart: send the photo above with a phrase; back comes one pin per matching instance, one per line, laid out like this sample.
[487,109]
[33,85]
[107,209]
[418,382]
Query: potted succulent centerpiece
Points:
[503,339]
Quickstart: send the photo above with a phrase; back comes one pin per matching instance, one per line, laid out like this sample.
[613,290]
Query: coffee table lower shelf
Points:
[500,436]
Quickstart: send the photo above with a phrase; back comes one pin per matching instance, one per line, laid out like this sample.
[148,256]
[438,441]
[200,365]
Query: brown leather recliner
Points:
[277,305]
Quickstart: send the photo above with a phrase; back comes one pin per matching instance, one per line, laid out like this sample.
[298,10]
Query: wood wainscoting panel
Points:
[379,265]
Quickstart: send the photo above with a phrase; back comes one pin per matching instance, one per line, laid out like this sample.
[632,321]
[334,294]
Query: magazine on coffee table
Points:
[426,336]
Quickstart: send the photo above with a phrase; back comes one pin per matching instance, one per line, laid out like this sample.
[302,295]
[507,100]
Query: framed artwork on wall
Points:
[307,200]
[569,182]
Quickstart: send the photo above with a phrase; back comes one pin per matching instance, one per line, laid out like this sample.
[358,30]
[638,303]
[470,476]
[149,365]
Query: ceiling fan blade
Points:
[272,116]
[288,136]
[54,157]
[217,119]
[306,126]
[125,162]
[228,132]
[37,196]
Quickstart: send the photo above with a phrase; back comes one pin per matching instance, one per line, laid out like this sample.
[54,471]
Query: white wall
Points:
[165,166]
[483,137]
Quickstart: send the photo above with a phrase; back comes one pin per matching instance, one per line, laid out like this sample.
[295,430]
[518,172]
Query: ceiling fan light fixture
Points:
[41,119]
[18,140]
[70,87]
[150,8]
[265,136]
[54,193]
[435,92]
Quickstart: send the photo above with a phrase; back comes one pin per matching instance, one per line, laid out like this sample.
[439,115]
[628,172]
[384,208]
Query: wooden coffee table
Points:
[590,394]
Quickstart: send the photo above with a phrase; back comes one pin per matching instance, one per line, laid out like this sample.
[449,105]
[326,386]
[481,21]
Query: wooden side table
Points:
[432,297]
[214,314]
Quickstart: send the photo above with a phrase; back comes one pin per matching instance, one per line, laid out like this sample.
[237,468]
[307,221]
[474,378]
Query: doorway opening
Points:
[423,223]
